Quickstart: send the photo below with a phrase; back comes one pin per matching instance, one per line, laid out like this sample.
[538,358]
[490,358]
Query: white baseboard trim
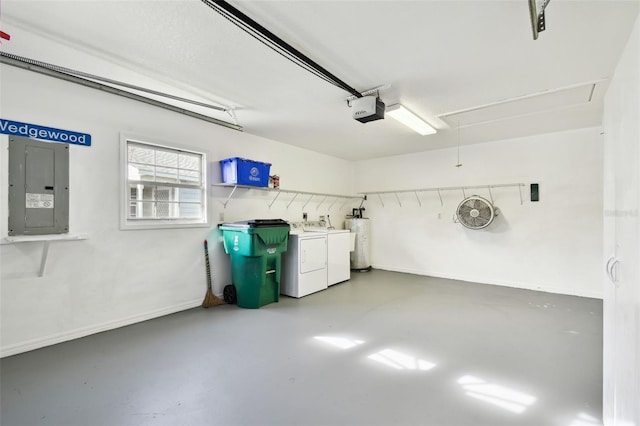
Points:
[484,280]
[41,342]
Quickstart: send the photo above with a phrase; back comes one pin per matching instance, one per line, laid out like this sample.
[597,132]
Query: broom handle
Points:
[206,260]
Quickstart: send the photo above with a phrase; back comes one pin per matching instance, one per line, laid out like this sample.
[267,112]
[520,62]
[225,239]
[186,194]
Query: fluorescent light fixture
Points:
[409,119]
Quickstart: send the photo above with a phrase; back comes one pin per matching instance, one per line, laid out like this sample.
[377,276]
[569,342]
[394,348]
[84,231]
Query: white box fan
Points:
[475,212]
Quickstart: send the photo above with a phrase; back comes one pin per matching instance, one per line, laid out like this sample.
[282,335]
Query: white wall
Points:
[553,245]
[119,277]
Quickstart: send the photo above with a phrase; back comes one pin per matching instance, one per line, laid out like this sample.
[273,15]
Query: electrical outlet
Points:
[304,216]
[221,217]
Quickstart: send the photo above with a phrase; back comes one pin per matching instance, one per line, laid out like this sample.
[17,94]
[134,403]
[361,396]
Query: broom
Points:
[209,299]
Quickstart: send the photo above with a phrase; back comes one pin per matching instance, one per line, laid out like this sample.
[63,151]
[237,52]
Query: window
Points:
[163,186]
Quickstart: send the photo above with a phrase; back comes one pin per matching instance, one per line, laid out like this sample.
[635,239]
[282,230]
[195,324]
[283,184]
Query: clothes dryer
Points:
[304,268]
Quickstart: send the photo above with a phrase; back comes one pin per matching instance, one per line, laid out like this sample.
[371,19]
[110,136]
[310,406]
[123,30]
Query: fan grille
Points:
[475,212]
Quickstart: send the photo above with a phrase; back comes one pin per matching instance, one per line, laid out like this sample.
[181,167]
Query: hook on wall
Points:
[458,163]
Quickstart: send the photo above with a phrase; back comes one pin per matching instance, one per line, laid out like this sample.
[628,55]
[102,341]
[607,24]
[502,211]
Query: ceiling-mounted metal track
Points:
[370,91]
[274,42]
[68,75]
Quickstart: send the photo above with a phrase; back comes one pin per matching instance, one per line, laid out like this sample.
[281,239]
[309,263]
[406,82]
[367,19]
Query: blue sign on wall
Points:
[27,130]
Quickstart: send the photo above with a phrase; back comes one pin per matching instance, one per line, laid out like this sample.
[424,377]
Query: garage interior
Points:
[533,319]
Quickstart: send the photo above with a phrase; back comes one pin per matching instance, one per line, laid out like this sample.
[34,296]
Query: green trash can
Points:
[255,247]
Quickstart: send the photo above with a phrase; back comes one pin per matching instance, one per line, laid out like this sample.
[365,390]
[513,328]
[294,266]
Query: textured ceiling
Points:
[437,57]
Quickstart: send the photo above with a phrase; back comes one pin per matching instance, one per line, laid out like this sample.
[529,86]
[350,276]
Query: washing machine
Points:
[304,265]
[338,255]
[338,249]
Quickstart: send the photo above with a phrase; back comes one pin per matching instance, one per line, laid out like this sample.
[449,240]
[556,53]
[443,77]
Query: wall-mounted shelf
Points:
[442,189]
[333,197]
[45,239]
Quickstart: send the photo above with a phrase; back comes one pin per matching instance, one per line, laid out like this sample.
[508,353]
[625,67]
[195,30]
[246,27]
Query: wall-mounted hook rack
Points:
[448,188]
[295,194]
[320,203]
[418,198]
[307,202]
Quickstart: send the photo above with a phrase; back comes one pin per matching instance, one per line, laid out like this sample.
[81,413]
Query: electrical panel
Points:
[38,187]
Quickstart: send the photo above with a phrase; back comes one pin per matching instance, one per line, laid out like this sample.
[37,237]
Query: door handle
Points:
[611,268]
[606,267]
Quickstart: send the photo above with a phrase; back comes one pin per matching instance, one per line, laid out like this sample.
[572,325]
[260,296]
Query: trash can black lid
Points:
[257,223]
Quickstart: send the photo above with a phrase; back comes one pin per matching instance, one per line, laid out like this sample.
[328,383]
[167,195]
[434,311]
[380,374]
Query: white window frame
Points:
[127,223]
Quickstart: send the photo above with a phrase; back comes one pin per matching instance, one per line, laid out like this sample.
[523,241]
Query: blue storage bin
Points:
[245,172]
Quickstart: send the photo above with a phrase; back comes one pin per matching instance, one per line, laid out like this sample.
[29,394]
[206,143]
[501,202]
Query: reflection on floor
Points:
[497,395]
[585,420]
[401,361]
[382,349]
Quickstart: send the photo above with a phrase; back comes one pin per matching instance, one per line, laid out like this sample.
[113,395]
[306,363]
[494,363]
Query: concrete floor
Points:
[382,349]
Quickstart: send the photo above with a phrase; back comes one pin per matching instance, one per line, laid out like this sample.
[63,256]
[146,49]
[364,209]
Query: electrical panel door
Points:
[38,187]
